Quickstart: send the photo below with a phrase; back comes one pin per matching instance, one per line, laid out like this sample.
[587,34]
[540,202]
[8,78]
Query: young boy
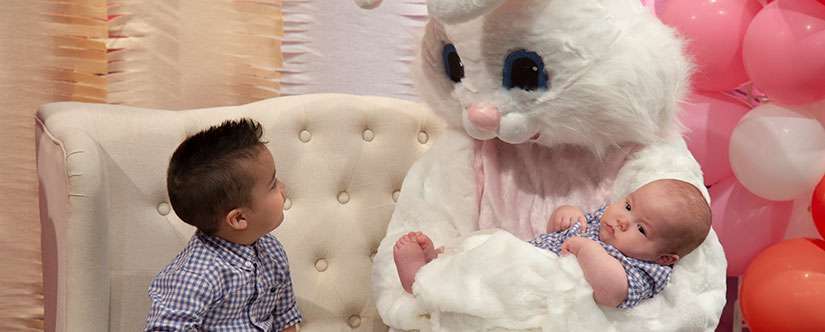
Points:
[626,250]
[233,275]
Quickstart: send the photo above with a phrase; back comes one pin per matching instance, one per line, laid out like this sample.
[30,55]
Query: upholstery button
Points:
[164,208]
[368,135]
[287,204]
[395,195]
[343,197]
[304,136]
[321,265]
[354,321]
[423,137]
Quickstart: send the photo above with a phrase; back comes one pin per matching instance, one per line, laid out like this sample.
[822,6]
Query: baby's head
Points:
[661,222]
[222,180]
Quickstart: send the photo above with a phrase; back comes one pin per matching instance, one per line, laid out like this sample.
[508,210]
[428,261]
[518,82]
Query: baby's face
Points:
[637,224]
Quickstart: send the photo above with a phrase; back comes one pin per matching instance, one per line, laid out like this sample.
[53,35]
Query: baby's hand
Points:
[575,244]
[564,217]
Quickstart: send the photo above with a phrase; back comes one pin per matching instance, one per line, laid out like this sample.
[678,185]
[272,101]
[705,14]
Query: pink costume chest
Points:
[519,186]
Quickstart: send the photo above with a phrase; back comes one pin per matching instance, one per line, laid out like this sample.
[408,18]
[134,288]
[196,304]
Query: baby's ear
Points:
[668,259]
[235,220]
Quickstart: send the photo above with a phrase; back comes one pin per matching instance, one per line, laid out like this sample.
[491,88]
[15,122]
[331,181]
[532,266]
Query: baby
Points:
[626,250]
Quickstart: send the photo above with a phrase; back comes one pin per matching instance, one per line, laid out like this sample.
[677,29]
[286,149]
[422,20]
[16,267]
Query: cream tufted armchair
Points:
[108,227]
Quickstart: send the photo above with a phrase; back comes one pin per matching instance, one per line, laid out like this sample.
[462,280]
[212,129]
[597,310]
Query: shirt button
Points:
[354,321]
[273,289]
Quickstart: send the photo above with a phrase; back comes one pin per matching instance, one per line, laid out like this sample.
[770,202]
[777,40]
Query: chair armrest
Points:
[74,239]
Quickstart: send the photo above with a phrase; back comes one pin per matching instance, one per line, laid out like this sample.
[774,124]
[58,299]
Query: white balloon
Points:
[778,153]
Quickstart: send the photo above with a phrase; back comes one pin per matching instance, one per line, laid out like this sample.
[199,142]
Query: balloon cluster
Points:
[756,126]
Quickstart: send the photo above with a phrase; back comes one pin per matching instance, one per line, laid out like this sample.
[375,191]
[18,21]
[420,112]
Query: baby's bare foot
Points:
[409,258]
[426,245]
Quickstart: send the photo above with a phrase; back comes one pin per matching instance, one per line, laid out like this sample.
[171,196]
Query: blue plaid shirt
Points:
[217,285]
[644,279]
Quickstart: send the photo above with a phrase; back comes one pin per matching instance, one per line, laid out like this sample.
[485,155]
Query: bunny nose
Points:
[484,118]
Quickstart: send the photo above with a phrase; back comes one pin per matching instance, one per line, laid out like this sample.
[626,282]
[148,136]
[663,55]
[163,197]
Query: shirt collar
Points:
[239,255]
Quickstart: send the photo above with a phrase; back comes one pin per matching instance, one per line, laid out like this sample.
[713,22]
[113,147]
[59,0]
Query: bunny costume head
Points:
[593,73]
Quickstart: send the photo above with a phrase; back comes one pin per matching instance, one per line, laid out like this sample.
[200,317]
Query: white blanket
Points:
[526,288]
[501,282]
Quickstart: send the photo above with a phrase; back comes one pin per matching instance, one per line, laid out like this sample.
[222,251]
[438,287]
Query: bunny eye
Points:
[524,70]
[452,63]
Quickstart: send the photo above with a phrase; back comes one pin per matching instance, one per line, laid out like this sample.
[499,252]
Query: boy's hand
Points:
[564,217]
[574,245]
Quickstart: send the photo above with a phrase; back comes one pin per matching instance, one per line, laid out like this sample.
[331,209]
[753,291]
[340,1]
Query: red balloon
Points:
[783,289]
[818,206]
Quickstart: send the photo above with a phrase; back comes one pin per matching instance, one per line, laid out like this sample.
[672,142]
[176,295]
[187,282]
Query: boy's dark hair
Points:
[208,174]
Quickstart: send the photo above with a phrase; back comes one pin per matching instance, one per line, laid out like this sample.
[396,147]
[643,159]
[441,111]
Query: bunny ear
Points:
[448,11]
[368,4]
[458,11]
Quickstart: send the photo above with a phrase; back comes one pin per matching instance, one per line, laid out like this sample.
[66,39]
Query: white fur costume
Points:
[604,125]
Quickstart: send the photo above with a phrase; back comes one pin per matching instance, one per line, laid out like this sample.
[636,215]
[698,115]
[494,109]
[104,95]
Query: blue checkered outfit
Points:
[217,285]
[644,279]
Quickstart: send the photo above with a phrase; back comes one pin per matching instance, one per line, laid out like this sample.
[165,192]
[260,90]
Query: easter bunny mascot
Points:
[547,102]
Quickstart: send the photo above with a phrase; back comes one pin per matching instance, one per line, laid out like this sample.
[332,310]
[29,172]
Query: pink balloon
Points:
[710,119]
[715,30]
[746,223]
[784,51]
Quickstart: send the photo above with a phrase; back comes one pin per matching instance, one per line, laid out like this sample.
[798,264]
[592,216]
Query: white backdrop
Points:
[334,46]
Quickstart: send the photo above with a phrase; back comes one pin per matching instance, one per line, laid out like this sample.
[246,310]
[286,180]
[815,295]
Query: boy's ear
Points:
[668,259]
[235,220]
